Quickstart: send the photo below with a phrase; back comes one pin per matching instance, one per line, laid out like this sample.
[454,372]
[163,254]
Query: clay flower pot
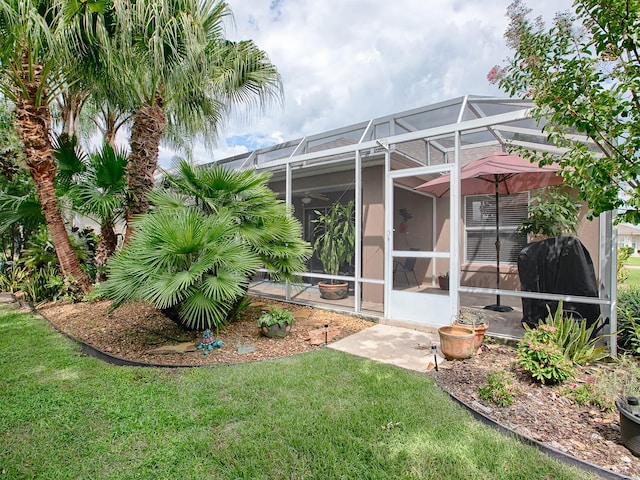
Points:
[457,342]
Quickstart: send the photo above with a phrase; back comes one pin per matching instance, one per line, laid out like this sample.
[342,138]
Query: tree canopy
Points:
[583,74]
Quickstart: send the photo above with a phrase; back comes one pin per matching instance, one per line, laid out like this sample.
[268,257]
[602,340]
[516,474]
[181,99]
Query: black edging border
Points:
[546,449]
[549,451]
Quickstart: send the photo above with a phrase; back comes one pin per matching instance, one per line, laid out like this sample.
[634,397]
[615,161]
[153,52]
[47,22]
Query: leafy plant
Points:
[590,393]
[539,354]
[498,388]
[552,213]
[335,236]
[468,316]
[628,311]
[621,271]
[574,338]
[276,316]
[194,254]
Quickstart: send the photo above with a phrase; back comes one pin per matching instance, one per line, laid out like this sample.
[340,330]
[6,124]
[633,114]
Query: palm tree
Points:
[181,76]
[32,41]
[96,186]
[193,255]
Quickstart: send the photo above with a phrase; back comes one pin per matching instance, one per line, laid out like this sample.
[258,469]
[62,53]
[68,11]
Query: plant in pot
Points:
[276,322]
[476,320]
[552,213]
[335,235]
[443,281]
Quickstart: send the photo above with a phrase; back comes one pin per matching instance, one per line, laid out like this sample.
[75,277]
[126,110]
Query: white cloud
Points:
[346,61]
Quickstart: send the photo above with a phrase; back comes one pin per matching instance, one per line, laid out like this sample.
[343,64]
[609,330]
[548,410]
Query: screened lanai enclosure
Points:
[407,235]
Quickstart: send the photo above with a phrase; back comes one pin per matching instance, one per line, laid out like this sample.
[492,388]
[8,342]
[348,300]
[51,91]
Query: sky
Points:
[347,61]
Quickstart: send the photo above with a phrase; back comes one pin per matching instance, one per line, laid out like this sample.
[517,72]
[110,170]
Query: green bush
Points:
[621,271]
[498,388]
[274,315]
[628,312]
[194,254]
[573,336]
[540,355]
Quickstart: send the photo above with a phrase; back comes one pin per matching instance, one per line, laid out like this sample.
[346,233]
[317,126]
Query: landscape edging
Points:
[550,451]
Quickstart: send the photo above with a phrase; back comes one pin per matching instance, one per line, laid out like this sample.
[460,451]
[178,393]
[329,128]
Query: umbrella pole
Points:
[496,307]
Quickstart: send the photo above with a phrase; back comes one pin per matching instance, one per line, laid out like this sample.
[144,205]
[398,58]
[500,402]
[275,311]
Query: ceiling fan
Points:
[308,196]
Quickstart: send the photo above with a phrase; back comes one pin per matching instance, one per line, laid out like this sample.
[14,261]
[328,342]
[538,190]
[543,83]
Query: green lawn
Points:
[633,261]
[324,415]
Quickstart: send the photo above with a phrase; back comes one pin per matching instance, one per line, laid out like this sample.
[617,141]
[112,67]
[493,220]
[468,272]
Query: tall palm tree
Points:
[180,75]
[33,38]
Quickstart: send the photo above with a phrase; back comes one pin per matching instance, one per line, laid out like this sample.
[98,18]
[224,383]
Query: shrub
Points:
[498,388]
[539,355]
[275,315]
[628,311]
[621,271]
[590,393]
[573,336]
[193,255]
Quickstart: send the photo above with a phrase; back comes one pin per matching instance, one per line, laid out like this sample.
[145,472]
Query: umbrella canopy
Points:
[497,173]
[510,173]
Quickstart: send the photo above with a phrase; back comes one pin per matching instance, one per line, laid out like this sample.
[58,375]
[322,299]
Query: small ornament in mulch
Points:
[208,343]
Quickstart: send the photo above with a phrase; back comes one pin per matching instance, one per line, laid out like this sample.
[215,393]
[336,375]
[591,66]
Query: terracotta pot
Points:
[457,342]
[275,330]
[479,330]
[333,291]
[629,427]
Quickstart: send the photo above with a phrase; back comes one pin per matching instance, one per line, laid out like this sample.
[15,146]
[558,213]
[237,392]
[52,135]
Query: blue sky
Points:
[345,61]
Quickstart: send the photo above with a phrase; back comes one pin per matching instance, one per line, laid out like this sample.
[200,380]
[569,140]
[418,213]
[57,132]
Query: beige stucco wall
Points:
[373,232]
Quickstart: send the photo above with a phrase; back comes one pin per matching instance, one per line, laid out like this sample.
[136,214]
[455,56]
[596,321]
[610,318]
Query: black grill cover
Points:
[559,265]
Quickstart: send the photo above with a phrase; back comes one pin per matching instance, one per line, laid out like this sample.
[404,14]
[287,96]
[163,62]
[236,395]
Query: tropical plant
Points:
[262,221]
[575,338]
[582,76]
[180,76]
[276,316]
[552,213]
[540,355]
[335,236]
[193,255]
[35,41]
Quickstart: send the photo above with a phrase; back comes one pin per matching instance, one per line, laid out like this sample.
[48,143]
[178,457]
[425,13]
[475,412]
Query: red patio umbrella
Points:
[497,173]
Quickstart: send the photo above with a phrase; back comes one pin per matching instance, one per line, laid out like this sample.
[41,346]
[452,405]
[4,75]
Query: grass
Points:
[633,261]
[324,415]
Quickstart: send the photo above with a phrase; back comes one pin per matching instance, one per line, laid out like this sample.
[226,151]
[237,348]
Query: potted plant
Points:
[276,322]
[443,281]
[335,235]
[456,342]
[474,319]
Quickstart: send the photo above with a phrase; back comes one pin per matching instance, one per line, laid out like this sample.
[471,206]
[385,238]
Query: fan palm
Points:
[207,235]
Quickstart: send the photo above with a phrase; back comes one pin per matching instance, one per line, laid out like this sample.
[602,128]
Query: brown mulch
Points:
[541,412]
[138,332]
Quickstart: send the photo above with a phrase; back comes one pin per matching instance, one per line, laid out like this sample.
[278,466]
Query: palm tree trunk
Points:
[33,122]
[149,126]
[106,246]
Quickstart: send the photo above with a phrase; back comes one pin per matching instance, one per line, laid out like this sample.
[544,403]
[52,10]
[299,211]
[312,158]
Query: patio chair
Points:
[406,267]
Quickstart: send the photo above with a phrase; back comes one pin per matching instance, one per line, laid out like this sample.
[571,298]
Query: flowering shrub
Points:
[539,355]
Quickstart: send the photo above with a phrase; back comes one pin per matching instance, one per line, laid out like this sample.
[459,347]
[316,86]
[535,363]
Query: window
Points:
[480,227]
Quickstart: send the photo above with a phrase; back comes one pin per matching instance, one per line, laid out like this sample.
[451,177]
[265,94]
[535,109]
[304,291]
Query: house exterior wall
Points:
[373,232]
